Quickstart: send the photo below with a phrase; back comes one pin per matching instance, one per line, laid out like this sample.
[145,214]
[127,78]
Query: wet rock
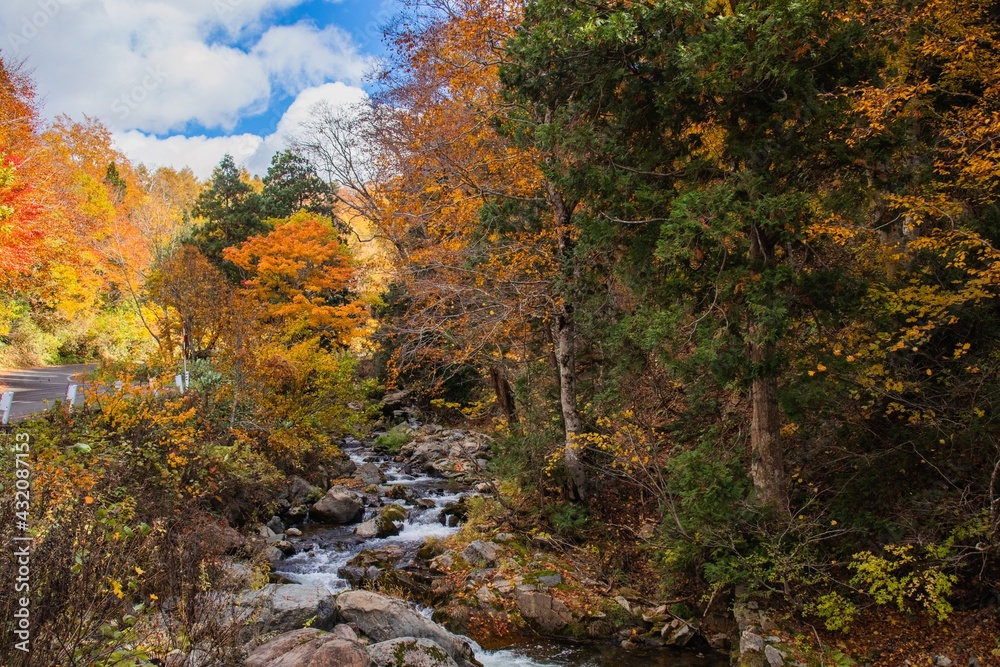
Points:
[370,475]
[309,648]
[341,467]
[383,619]
[273,555]
[682,636]
[293,532]
[338,506]
[401,492]
[409,652]
[353,575]
[544,612]
[458,511]
[286,548]
[378,527]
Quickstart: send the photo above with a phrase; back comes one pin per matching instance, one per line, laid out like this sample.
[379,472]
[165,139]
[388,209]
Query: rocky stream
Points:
[353,536]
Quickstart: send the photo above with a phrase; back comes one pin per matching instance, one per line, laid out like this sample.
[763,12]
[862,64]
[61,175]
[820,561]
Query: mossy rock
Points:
[394,512]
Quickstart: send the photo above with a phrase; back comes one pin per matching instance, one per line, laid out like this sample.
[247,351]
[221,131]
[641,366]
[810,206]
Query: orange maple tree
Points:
[304,272]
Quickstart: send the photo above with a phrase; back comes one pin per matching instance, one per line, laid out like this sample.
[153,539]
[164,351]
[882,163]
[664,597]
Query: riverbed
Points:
[330,548]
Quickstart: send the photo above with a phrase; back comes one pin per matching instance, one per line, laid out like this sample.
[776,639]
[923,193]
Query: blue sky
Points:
[182,82]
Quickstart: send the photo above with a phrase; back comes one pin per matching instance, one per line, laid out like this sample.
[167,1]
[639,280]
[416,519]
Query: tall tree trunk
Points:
[565,348]
[505,395]
[767,461]
[565,335]
[767,466]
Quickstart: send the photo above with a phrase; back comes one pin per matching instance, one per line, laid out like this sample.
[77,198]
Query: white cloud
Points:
[202,153]
[157,65]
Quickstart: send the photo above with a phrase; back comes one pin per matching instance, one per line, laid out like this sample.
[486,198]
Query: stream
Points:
[334,546]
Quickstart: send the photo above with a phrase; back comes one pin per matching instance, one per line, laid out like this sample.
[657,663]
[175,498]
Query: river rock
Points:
[275,525]
[376,528]
[409,652]
[682,636]
[341,468]
[273,555]
[309,648]
[289,607]
[450,454]
[545,612]
[370,475]
[340,506]
[383,619]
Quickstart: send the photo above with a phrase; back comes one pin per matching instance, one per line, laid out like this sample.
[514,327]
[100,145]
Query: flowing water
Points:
[334,546]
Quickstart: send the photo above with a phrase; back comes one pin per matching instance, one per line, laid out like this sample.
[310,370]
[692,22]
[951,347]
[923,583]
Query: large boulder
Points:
[409,652]
[339,505]
[546,613]
[369,474]
[309,648]
[383,619]
[289,607]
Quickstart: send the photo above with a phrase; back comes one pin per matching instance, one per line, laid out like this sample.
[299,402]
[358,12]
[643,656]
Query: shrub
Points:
[836,611]
[901,577]
[394,440]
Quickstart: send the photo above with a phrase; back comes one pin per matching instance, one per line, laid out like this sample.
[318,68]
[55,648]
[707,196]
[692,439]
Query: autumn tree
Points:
[484,244]
[194,303]
[305,275]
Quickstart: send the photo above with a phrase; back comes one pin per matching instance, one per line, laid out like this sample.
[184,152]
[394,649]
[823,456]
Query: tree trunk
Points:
[767,462]
[505,395]
[767,466]
[565,335]
[565,349]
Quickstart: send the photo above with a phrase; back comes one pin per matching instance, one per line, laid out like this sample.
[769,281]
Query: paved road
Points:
[35,389]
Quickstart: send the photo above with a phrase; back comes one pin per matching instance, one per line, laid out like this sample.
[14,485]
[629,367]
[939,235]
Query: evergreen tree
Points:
[233,212]
[292,185]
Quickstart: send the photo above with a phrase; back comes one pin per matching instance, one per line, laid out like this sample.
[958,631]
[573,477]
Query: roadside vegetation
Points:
[719,279]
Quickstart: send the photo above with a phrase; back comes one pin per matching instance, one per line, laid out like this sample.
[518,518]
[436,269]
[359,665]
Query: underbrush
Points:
[135,498]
